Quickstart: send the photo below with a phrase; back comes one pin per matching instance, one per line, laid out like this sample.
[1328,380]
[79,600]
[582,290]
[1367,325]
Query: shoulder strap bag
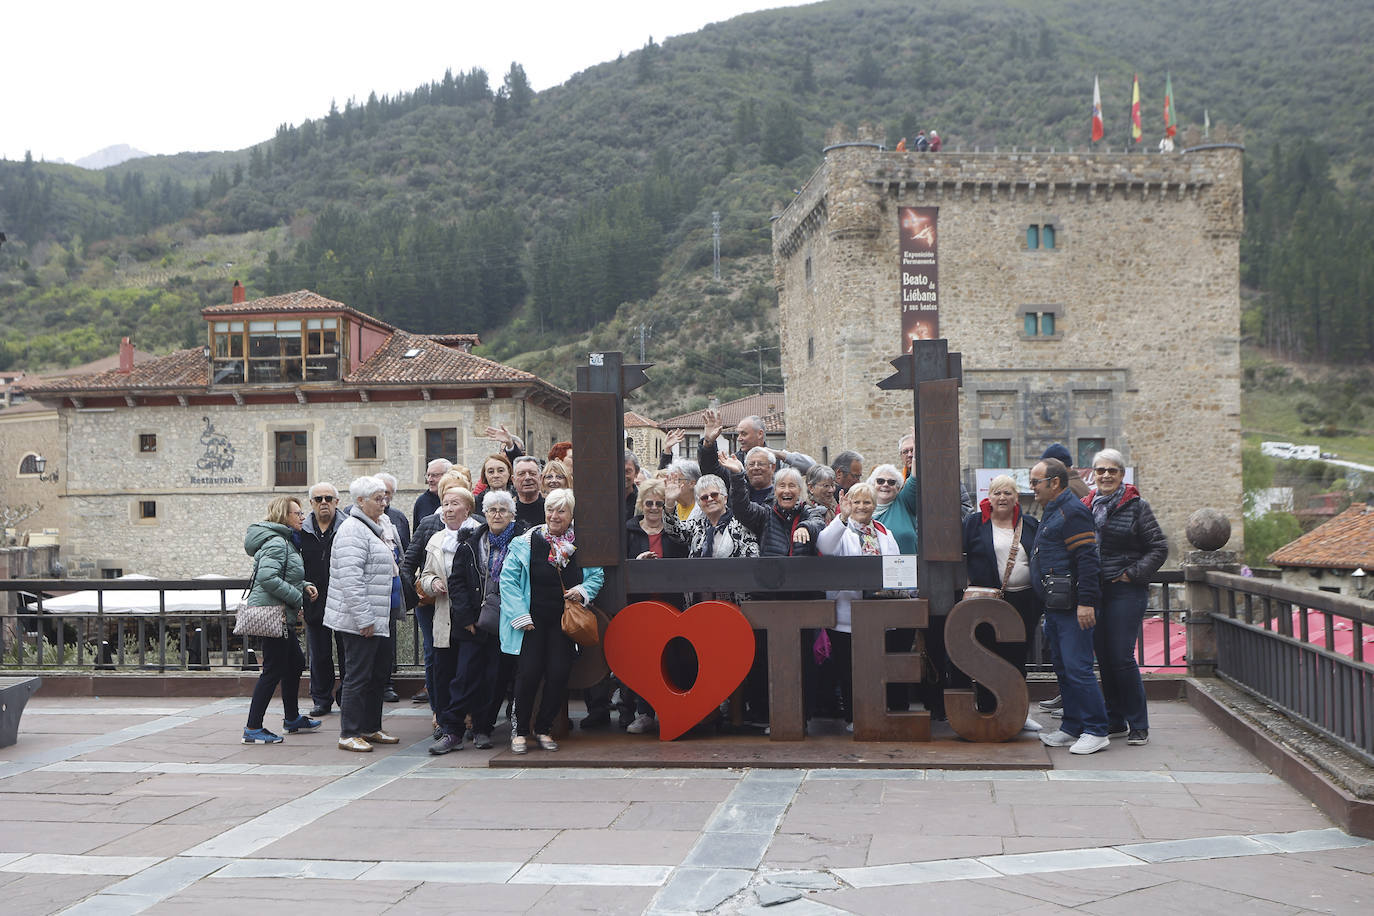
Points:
[258,620]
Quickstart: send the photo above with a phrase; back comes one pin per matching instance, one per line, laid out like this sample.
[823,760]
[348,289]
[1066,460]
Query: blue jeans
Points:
[424,615]
[1084,711]
[1114,641]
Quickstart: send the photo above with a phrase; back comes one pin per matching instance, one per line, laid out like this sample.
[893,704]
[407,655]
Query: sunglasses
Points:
[1106,472]
[654,504]
[886,481]
[324,499]
[705,496]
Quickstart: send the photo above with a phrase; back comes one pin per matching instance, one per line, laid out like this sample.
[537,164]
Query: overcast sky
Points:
[169,77]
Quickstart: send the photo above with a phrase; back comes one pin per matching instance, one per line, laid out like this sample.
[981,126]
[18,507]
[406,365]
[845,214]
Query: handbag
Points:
[258,620]
[579,623]
[1058,592]
[982,591]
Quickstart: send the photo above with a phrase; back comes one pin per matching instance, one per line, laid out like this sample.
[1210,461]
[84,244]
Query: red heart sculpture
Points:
[717,630]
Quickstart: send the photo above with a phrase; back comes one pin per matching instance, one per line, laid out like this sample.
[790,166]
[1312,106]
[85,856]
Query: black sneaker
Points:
[390,695]
[597,718]
[1053,703]
[1138,737]
[1118,731]
[445,744]
[320,711]
[421,697]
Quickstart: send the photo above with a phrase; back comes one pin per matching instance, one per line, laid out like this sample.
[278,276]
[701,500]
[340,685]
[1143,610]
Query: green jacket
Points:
[280,575]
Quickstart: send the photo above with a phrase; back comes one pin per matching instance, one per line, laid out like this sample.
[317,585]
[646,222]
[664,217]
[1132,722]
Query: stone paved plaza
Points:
[138,805]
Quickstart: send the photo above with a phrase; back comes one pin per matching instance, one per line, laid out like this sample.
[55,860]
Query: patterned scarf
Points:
[1104,502]
[561,547]
[497,546]
[868,539]
[708,547]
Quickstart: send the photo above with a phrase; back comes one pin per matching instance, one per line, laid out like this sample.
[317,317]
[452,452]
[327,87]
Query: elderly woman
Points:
[455,517]
[852,533]
[495,475]
[414,561]
[997,547]
[362,571]
[820,483]
[540,571]
[1132,549]
[278,579]
[648,538]
[555,476]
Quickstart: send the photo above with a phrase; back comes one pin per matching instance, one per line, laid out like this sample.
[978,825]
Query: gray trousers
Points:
[365,676]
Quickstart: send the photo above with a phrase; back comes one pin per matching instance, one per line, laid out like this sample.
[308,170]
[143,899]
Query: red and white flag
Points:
[1097,111]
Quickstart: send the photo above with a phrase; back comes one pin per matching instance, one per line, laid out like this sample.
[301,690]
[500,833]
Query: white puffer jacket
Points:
[361,568]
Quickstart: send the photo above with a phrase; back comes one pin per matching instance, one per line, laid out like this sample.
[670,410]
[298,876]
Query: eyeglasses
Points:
[705,496]
[299,513]
[886,481]
[1106,472]
[498,510]
[324,499]
[654,504]
[1037,481]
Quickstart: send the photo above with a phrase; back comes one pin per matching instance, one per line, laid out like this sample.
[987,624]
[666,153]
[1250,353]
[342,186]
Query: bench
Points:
[14,696]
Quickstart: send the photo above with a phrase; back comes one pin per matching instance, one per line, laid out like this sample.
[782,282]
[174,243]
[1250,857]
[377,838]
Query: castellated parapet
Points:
[1134,258]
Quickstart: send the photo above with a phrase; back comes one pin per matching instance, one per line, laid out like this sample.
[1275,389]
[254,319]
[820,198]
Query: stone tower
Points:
[1095,298]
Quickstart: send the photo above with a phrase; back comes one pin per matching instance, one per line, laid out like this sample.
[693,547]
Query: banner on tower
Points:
[920,288]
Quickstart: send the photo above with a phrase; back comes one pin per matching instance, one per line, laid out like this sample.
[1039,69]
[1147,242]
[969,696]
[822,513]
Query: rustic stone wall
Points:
[203,507]
[1143,281]
[29,430]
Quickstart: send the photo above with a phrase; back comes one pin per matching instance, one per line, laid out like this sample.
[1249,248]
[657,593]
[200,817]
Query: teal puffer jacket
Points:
[280,575]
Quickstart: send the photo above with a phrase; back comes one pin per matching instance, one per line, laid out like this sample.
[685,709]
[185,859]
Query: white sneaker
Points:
[1090,744]
[1031,725]
[642,723]
[1057,738]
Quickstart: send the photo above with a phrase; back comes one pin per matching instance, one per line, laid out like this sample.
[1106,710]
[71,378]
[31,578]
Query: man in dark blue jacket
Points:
[1066,549]
[316,539]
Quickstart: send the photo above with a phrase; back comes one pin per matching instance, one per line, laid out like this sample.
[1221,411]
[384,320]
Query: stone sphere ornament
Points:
[1208,529]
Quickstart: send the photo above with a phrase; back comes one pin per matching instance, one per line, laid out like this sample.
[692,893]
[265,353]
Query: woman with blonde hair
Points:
[997,546]
[278,579]
[555,476]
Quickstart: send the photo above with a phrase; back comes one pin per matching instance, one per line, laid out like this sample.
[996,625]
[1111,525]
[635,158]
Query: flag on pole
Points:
[1097,111]
[1135,108]
[1170,118]
[1206,123]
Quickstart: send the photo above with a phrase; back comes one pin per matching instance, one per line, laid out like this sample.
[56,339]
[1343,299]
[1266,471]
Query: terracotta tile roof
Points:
[181,369]
[434,363]
[772,407]
[302,300]
[1345,542]
[633,419]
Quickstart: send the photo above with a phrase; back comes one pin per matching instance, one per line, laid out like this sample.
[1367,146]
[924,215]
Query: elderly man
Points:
[317,539]
[1060,452]
[529,501]
[1065,574]
[428,502]
[751,434]
[760,462]
[849,470]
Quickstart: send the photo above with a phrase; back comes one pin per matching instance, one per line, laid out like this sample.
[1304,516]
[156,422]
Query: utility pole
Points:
[644,331]
[715,241]
[760,352]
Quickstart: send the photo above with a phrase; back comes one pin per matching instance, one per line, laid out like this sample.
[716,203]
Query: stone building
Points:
[167,462]
[770,407]
[1094,296]
[643,437]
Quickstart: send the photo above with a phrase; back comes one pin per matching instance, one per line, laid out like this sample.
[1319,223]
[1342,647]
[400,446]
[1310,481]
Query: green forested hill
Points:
[569,218]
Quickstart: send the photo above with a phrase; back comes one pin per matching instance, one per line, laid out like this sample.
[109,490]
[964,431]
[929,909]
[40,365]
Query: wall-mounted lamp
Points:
[205,352]
[40,463]
[1359,577]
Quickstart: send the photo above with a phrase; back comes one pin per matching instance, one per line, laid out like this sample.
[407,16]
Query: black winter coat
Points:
[981,556]
[772,525]
[1130,540]
[315,550]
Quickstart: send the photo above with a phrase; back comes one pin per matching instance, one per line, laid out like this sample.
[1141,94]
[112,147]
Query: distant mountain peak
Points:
[110,155]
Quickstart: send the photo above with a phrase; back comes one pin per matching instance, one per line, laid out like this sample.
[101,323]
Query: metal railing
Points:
[163,633]
[1167,609]
[1266,645]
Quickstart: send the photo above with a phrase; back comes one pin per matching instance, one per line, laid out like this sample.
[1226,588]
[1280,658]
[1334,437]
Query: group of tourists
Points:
[487,568]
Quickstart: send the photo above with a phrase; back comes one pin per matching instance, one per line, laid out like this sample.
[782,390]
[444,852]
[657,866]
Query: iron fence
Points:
[39,631]
[1266,644]
[1160,646]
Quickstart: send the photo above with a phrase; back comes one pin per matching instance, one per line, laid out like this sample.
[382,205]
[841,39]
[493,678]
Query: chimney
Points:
[126,356]
[238,292]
